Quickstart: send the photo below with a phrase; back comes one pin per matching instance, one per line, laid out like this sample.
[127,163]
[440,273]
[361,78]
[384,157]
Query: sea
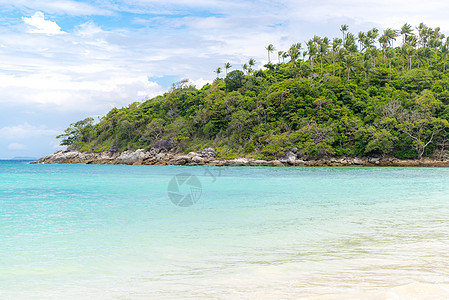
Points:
[197,232]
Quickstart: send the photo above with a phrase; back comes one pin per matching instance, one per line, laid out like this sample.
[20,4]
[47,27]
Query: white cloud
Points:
[38,24]
[199,83]
[17,146]
[24,131]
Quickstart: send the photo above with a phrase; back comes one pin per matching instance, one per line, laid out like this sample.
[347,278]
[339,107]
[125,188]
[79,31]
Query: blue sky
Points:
[62,61]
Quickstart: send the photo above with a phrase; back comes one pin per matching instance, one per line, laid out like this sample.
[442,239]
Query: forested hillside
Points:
[371,94]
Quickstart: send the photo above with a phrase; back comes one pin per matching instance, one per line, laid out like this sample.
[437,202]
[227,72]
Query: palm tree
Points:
[403,51]
[251,64]
[218,71]
[389,55]
[227,67]
[350,62]
[245,68]
[343,29]
[422,32]
[349,43]
[335,45]
[284,56]
[340,56]
[406,30]
[280,55]
[383,40]
[270,48]
[323,47]
[311,51]
[294,52]
[444,53]
[367,68]
[361,38]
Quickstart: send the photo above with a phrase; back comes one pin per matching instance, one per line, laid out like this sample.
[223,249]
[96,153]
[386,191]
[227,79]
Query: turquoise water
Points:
[109,231]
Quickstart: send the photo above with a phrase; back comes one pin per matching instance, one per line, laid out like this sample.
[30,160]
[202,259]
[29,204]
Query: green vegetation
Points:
[344,96]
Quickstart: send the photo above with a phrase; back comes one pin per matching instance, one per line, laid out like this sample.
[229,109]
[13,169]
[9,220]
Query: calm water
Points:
[101,232]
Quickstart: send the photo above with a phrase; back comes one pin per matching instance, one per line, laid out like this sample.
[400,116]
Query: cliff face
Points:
[208,156]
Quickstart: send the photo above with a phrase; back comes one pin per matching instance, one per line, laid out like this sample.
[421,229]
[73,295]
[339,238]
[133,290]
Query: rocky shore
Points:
[209,156]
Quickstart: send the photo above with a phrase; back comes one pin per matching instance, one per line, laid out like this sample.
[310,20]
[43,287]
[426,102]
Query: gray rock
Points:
[163,146]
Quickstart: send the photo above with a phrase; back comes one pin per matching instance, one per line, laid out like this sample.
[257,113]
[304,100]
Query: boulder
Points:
[163,146]
[132,157]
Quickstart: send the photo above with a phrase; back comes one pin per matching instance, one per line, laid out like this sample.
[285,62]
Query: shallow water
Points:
[109,231]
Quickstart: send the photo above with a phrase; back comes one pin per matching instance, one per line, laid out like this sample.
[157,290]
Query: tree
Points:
[218,71]
[406,30]
[227,67]
[234,80]
[335,46]
[78,132]
[350,62]
[245,68]
[444,53]
[341,53]
[279,56]
[311,51]
[251,64]
[343,29]
[270,48]
[381,141]
[422,130]
[389,55]
[367,68]
[323,47]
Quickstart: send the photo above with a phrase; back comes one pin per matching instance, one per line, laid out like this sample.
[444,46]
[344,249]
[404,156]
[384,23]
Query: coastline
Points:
[208,157]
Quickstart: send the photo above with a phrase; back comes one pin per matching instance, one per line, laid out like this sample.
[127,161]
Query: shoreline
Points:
[208,157]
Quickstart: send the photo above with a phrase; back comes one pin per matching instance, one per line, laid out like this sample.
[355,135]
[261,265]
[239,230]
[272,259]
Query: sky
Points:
[63,61]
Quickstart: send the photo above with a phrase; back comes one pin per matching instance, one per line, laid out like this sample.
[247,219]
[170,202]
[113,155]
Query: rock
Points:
[237,162]
[163,146]
[358,161]
[374,160]
[208,153]
[181,160]
[288,158]
[198,159]
[301,155]
[294,150]
[132,157]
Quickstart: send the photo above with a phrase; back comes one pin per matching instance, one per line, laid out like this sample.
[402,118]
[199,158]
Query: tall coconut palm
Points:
[294,52]
[403,51]
[383,41]
[444,53]
[227,67]
[422,33]
[270,48]
[367,68]
[251,62]
[279,56]
[361,38]
[350,62]
[336,42]
[311,51]
[340,55]
[406,30]
[245,68]
[284,56]
[323,48]
[343,29]
[389,54]
[349,43]
[218,71]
